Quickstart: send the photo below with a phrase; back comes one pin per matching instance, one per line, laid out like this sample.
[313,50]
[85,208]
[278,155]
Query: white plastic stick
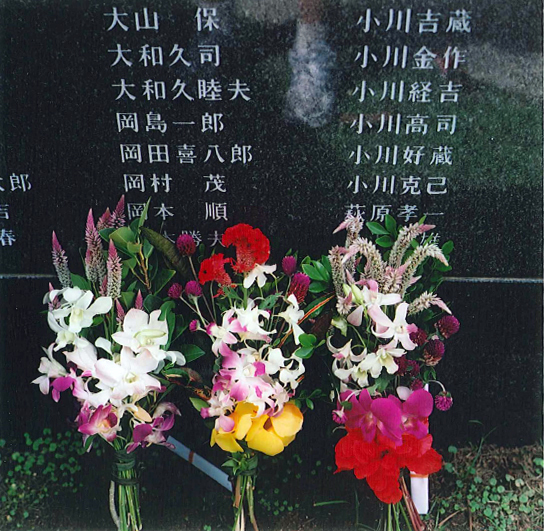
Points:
[419,487]
[199,462]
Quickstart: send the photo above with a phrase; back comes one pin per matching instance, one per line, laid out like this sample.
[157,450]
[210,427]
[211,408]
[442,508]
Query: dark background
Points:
[58,125]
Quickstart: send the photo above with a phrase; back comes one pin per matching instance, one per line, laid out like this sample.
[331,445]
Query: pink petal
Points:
[356,316]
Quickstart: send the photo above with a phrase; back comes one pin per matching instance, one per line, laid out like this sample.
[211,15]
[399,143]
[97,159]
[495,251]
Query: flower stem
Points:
[250,502]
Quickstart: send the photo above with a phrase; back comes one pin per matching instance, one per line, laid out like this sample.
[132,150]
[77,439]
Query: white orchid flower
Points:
[258,273]
[84,356]
[398,329]
[76,305]
[128,377]
[290,369]
[143,332]
[383,357]
[248,318]
[368,297]
[50,368]
[292,315]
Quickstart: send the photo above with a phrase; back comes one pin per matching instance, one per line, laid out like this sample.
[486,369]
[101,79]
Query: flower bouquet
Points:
[387,340]
[112,348]
[251,315]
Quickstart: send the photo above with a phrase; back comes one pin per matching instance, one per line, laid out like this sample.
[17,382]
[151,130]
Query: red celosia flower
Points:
[252,246]
[299,286]
[213,269]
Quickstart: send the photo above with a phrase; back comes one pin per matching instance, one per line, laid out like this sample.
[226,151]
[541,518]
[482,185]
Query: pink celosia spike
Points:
[118,216]
[340,227]
[95,266]
[104,286]
[120,312]
[90,228]
[60,261]
[139,302]
[114,268]
[56,245]
[441,304]
[105,221]
[425,228]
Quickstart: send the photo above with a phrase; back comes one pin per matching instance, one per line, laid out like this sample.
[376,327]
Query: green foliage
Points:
[33,473]
[497,490]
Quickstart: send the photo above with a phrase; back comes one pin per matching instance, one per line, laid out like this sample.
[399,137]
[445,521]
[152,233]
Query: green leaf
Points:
[340,323]
[148,248]
[318,287]
[441,267]
[447,248]
[162,278]
[127,298]
[131,263]
[269,302]
[376,228]
[143,216]
[322,270]
[385,241]
[314,273]
[168,250]
[180,327]
[304,352]
[134,248]
[307,340]
[191,352]
[105,234]
[166,308]
[198,403]
[122,237]
[391,225]
[315,303]
[326,264]
[80,282]
[88,442]
[152,303]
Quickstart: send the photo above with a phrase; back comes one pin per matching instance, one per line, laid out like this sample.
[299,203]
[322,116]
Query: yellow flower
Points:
[269,435]
[242,417]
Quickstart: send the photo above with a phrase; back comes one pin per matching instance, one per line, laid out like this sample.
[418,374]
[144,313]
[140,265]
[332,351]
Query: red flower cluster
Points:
[252,246]
[380,461]
[213,269]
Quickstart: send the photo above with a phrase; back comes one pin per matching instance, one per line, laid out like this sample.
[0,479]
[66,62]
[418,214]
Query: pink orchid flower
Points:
[415,412]
[154,433]
[102,421]
[375,415]
[369,297]
[225,332]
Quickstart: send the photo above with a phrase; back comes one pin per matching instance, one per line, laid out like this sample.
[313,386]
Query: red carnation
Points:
[252,246]
[380,461]
[213,269]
